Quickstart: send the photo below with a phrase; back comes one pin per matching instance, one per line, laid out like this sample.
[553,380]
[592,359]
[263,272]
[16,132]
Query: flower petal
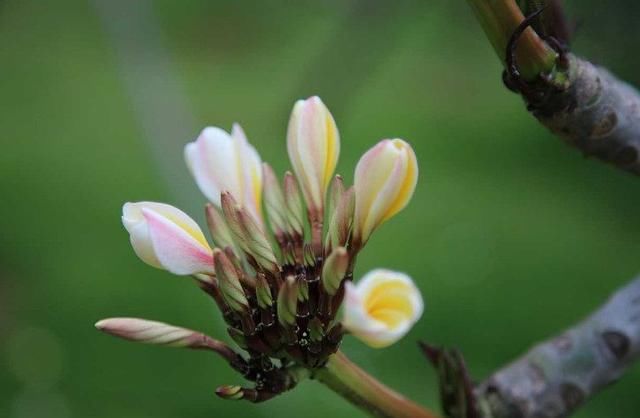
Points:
[165,237]
[382,307]
[227,162]
[213,162]
[133,221]
[177,250]
[251,168]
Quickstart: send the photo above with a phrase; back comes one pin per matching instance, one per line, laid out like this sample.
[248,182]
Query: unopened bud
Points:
[316,330]
[335,194]
[247,281]
[385,180]
[238,337]
[334,270]
[288,302]
[313,143]
[230,392]
[158,333]
[148,332]
[258,243]
[229,282]
[263,292]
[295,207]
[229,205]
[220,232]
[309,256]
[248,233]
[289,255]
[303,299]
[274,202]
[341,220]
[303,291]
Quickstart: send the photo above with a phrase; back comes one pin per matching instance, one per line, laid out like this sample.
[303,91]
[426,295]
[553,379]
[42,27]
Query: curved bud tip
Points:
[165,237]
[295,207]
[218,228]
[382,307]
[263,292]
[313,143]
[334,270]
[229,282]
[275,206]
[287,302]
[221,161]
[384,182]
[231,392]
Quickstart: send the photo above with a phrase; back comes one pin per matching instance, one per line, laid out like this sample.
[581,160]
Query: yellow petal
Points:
[384,181]
[382,307]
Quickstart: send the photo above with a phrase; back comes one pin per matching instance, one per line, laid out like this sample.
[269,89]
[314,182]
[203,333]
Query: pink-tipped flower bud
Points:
[313,143]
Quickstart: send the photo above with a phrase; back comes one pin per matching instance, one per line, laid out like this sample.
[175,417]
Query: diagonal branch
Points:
[598,114]
[557,376]
[583,104]
[594,112]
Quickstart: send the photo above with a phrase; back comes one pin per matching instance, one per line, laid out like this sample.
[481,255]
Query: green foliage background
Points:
[511,235]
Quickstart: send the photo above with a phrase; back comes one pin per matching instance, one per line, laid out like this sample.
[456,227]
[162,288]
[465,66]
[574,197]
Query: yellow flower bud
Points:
[313,143]
[384,181]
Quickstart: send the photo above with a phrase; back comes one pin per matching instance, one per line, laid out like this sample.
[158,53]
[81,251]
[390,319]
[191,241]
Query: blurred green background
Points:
[511,236]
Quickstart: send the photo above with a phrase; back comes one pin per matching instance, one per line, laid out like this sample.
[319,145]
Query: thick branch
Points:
[559,375]
[583,104]
[596,113]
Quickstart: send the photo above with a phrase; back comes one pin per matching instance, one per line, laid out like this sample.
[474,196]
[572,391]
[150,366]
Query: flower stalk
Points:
[361,389]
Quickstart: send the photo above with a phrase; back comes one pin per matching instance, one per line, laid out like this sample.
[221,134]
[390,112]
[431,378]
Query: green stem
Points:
[499,19]
[363,390]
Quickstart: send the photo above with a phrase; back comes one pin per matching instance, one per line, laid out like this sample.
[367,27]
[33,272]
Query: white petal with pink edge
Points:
[220,161]
[165,237]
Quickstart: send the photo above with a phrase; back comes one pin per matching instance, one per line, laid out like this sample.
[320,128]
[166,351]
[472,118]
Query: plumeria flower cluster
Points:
[284,254]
